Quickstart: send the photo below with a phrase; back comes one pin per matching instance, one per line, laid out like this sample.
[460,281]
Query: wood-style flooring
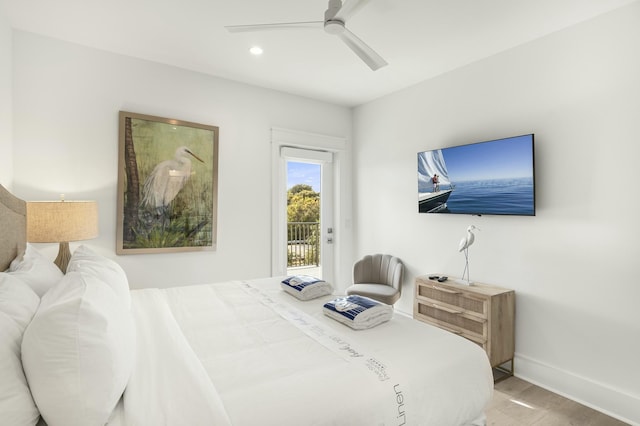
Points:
[519,403]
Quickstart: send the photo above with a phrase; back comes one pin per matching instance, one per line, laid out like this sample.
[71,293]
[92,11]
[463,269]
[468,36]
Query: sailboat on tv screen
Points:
[431,195]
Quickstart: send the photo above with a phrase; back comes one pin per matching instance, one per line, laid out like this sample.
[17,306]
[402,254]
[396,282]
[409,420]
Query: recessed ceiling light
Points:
[256,50]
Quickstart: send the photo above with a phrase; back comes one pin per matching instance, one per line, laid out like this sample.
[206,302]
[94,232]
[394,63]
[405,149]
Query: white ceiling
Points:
[420,39]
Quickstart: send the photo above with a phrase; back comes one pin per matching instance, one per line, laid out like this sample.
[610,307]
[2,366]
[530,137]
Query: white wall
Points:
[573,266]
[66,103]
[6,159]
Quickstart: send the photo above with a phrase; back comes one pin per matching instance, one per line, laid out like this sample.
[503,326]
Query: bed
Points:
[86,350]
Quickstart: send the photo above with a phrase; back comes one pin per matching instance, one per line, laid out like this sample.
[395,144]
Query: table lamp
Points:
[61,222]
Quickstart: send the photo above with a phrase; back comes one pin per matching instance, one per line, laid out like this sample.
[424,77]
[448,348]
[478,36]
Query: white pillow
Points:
[78,351]
[35,270]
[18,303]
[87,261]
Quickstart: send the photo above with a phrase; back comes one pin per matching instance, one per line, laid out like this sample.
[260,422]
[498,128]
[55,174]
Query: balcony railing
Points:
[303,244]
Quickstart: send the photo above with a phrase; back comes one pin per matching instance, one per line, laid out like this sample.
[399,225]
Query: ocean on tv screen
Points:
[497,196]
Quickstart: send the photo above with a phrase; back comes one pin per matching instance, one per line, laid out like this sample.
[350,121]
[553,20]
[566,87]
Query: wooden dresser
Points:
[482,313]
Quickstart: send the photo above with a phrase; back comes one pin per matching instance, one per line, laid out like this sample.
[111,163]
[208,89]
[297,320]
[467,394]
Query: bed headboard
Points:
[13,227]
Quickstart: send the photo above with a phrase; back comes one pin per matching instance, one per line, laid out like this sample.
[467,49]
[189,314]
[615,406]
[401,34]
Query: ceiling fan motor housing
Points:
[334,27]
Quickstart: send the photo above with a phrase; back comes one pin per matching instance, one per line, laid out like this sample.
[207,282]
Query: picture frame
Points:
[167,185]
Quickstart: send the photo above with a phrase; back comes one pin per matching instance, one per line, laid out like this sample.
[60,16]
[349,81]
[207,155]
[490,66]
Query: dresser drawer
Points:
[455,320]
[454,297]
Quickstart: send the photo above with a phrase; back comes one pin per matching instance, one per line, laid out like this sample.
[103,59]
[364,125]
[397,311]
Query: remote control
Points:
[433,277]
[442,279]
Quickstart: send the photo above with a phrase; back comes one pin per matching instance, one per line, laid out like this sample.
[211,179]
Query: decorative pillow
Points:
[305,287]
[87,261]
[35,270]
[78,351]
[358,312]
[18,303]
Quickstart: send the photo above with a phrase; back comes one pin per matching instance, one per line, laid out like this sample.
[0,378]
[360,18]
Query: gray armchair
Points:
[379,277]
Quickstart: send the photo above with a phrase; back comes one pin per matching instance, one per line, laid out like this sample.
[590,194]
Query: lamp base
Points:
[463,282]
[64,255]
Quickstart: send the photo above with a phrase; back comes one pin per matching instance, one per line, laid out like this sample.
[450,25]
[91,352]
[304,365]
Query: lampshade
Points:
[61,222]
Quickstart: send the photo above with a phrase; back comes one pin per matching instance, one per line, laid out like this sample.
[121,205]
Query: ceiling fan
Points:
[335,18]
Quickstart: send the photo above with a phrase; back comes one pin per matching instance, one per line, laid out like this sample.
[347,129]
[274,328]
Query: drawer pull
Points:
[442,308]
[446,290]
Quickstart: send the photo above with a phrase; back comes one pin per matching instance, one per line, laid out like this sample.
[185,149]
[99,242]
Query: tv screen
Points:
[493,177]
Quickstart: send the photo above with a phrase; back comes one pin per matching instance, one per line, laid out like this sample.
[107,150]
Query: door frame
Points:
[281,138]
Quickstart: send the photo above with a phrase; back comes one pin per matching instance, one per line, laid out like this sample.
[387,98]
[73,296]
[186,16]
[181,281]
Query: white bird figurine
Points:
[167,179]
[464,246]
[468,240]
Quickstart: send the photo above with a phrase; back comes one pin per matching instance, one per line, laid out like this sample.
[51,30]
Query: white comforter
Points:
[247,353]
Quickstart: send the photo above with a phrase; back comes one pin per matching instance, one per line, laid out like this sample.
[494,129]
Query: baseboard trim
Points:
[403,313]
[598,396]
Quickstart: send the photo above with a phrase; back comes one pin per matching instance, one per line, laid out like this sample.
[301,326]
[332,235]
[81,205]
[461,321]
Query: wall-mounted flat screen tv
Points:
[493,177]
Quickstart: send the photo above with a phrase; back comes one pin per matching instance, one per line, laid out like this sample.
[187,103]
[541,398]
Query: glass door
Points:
[309,212]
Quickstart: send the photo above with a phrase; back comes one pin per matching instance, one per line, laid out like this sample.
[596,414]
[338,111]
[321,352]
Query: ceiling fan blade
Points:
[267,27]
[349,8]
[360,48]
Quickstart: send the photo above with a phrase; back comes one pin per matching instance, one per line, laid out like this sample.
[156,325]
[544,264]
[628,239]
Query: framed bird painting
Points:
[167,185]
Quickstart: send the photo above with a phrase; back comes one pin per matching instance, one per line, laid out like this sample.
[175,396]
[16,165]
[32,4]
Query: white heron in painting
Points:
[465,242]
[167,179]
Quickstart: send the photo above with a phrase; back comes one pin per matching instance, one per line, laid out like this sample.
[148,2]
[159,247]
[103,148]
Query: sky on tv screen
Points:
[500,159]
